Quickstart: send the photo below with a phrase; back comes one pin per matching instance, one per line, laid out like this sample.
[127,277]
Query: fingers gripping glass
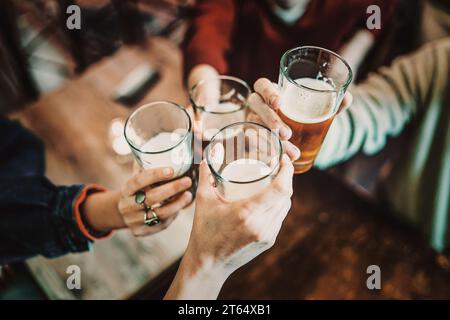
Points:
[160,135]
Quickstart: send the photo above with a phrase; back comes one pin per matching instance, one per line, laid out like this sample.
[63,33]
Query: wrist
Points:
[101,213]
[198,277]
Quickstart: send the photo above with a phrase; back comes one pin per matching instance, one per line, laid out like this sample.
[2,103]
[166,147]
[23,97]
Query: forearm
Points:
[356,49]
[197,279]
[382,106]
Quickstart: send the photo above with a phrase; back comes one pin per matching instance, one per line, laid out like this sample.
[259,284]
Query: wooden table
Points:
[73,122]
[328,240]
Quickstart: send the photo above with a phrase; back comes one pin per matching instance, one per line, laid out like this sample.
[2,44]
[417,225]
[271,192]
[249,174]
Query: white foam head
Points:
[308,106]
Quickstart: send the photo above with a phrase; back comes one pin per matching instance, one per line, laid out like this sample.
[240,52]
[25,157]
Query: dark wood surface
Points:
[328,240]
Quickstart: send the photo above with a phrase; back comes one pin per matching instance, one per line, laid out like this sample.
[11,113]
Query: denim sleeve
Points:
[36,218]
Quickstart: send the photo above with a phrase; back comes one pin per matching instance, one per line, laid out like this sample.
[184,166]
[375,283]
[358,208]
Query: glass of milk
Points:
[243,158]
[160,135]
[219,102]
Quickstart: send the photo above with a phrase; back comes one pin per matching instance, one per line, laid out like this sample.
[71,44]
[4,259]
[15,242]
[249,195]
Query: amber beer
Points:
[312,83]
[307,107]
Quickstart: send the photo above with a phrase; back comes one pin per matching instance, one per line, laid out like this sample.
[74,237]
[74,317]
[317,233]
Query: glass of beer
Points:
[312,84]
[160,135]
[219,102]
[243,158]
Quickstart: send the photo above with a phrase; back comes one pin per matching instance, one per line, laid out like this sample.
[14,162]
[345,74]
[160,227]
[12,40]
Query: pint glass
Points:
[312,83]
[160,135]
[219,102]
[243,158]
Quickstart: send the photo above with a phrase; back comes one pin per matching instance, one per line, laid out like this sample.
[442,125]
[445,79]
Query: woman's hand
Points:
[227,235]
[110,210]
[133,213]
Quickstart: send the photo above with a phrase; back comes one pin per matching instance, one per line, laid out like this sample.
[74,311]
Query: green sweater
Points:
[415,89]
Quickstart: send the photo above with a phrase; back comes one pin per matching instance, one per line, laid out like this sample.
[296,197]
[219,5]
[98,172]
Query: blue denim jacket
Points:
[36,217]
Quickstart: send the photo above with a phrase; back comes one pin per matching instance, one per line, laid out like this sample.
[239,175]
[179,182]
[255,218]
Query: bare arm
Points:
[226,235]
[357,48]
[385,103]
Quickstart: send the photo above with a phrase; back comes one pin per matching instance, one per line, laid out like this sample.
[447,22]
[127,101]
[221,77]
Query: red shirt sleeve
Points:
[208,38]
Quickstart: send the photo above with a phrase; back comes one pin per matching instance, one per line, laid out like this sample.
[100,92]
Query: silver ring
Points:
[153,220]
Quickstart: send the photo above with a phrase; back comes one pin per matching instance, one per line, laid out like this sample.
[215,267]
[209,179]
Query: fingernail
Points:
[168,172]
[285,132]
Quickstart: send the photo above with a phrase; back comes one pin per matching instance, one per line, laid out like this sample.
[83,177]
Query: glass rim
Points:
[337,90]
[220,77]
[219,176]
[152,104]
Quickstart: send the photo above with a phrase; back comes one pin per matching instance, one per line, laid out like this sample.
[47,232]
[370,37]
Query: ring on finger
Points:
[140,198]
[151,220]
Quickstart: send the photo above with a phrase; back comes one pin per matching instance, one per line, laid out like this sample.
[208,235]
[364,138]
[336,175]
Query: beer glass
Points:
[160,135]
[312,84]
[243,158]
[219,102]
